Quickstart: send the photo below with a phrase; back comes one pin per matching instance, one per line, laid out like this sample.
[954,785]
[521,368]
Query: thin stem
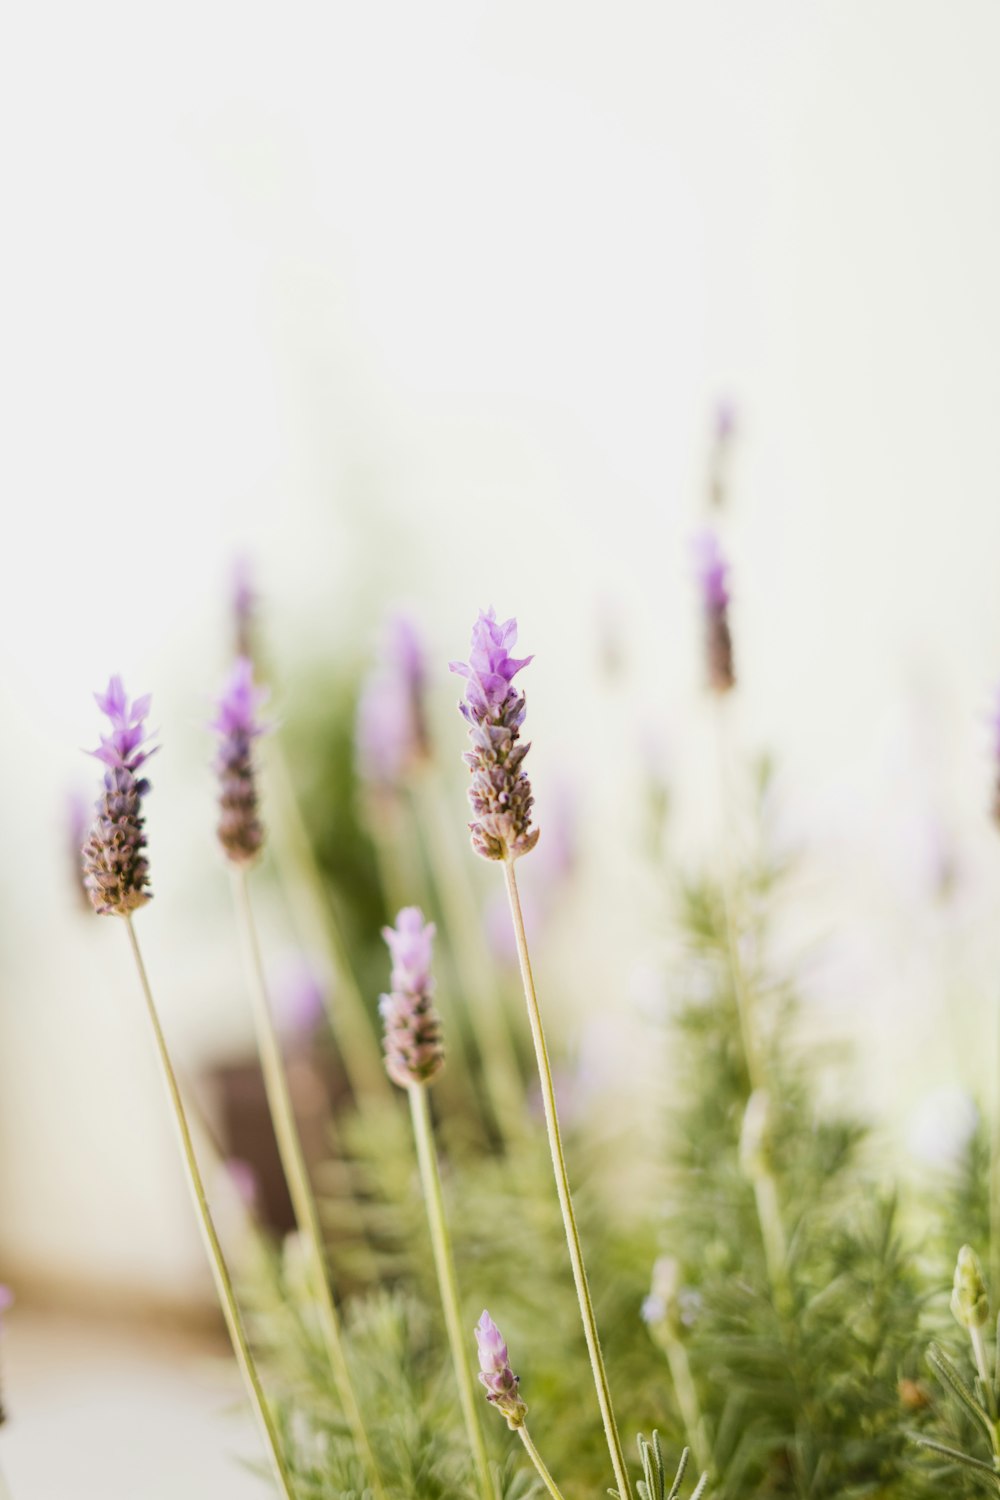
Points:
[444,1262]
[562,1188]
[310,904]
[297,1176]
[536,1459]
[772,1232]
[687,1399]
[995,1173]
[500,1071]
[220,1271]
[5,1490]
[737,973]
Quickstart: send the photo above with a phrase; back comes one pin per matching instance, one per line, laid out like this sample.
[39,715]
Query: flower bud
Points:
[969,1298]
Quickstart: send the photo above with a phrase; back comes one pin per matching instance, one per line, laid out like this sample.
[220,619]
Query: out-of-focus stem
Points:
[995,1174]
[297,1176]
[444,1263]
[220,1271]
[687,1399]
[310,906]
[500,1071]
[772,1233]
[536,1459]
[563,1190]
[737,973]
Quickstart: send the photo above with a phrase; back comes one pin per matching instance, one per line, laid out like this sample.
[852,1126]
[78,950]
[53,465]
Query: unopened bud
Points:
[969,1298]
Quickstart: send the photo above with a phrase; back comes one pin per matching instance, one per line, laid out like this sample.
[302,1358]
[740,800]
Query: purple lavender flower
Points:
[115,869]
[500,793]
[994,724]
[414,1049]
[712,570]
[240,831]
[496,1374]
[392,736]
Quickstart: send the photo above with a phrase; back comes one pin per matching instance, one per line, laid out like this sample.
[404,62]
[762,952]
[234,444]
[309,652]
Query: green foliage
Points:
[796,1357]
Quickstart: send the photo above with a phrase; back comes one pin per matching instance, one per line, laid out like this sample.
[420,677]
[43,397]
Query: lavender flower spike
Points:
[496,1374]
[712,570]
[115,869]
[240,830]
[500,793]
[392,737]
[414,1049]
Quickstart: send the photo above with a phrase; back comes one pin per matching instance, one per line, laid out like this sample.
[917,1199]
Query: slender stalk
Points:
[310,905]
[737,973]
[687,1399]
[297,1176]
[220,1271]
[536,1459]
[772,1232]
[995,1174]
[563,1190]
[5,1491]
[444,1262]
[501,1072]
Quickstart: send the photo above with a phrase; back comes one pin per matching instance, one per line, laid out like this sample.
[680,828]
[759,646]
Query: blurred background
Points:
[434,307]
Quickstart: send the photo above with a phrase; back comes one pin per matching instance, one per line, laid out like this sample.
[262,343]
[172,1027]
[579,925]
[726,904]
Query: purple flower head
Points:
[414,1048]
[712,572]
[725,420]
[994,725]
[392,735]
[244,1181]
[500,793]
[115,869]
[124,747]
[300,1000]
[711,569]
[496,1374]
[240,831]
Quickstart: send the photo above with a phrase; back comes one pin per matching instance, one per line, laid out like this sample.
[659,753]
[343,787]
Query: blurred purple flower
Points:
[244,1180]
[299,1000]
[116,871]
[712,572]
[240,831]
[500,793]
[391,736]
[496,1374]
[725,420]
[414,1048]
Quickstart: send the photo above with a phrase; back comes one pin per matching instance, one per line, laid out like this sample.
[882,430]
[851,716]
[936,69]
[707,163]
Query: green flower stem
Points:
[444,1263]
[500,1072]
[220,1271]
[772,1233]
[297,1176]
[982,1365]
[687,1399]
[536,1459]
[737,973]
[562,1188]
[310,904]
[994,1257]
